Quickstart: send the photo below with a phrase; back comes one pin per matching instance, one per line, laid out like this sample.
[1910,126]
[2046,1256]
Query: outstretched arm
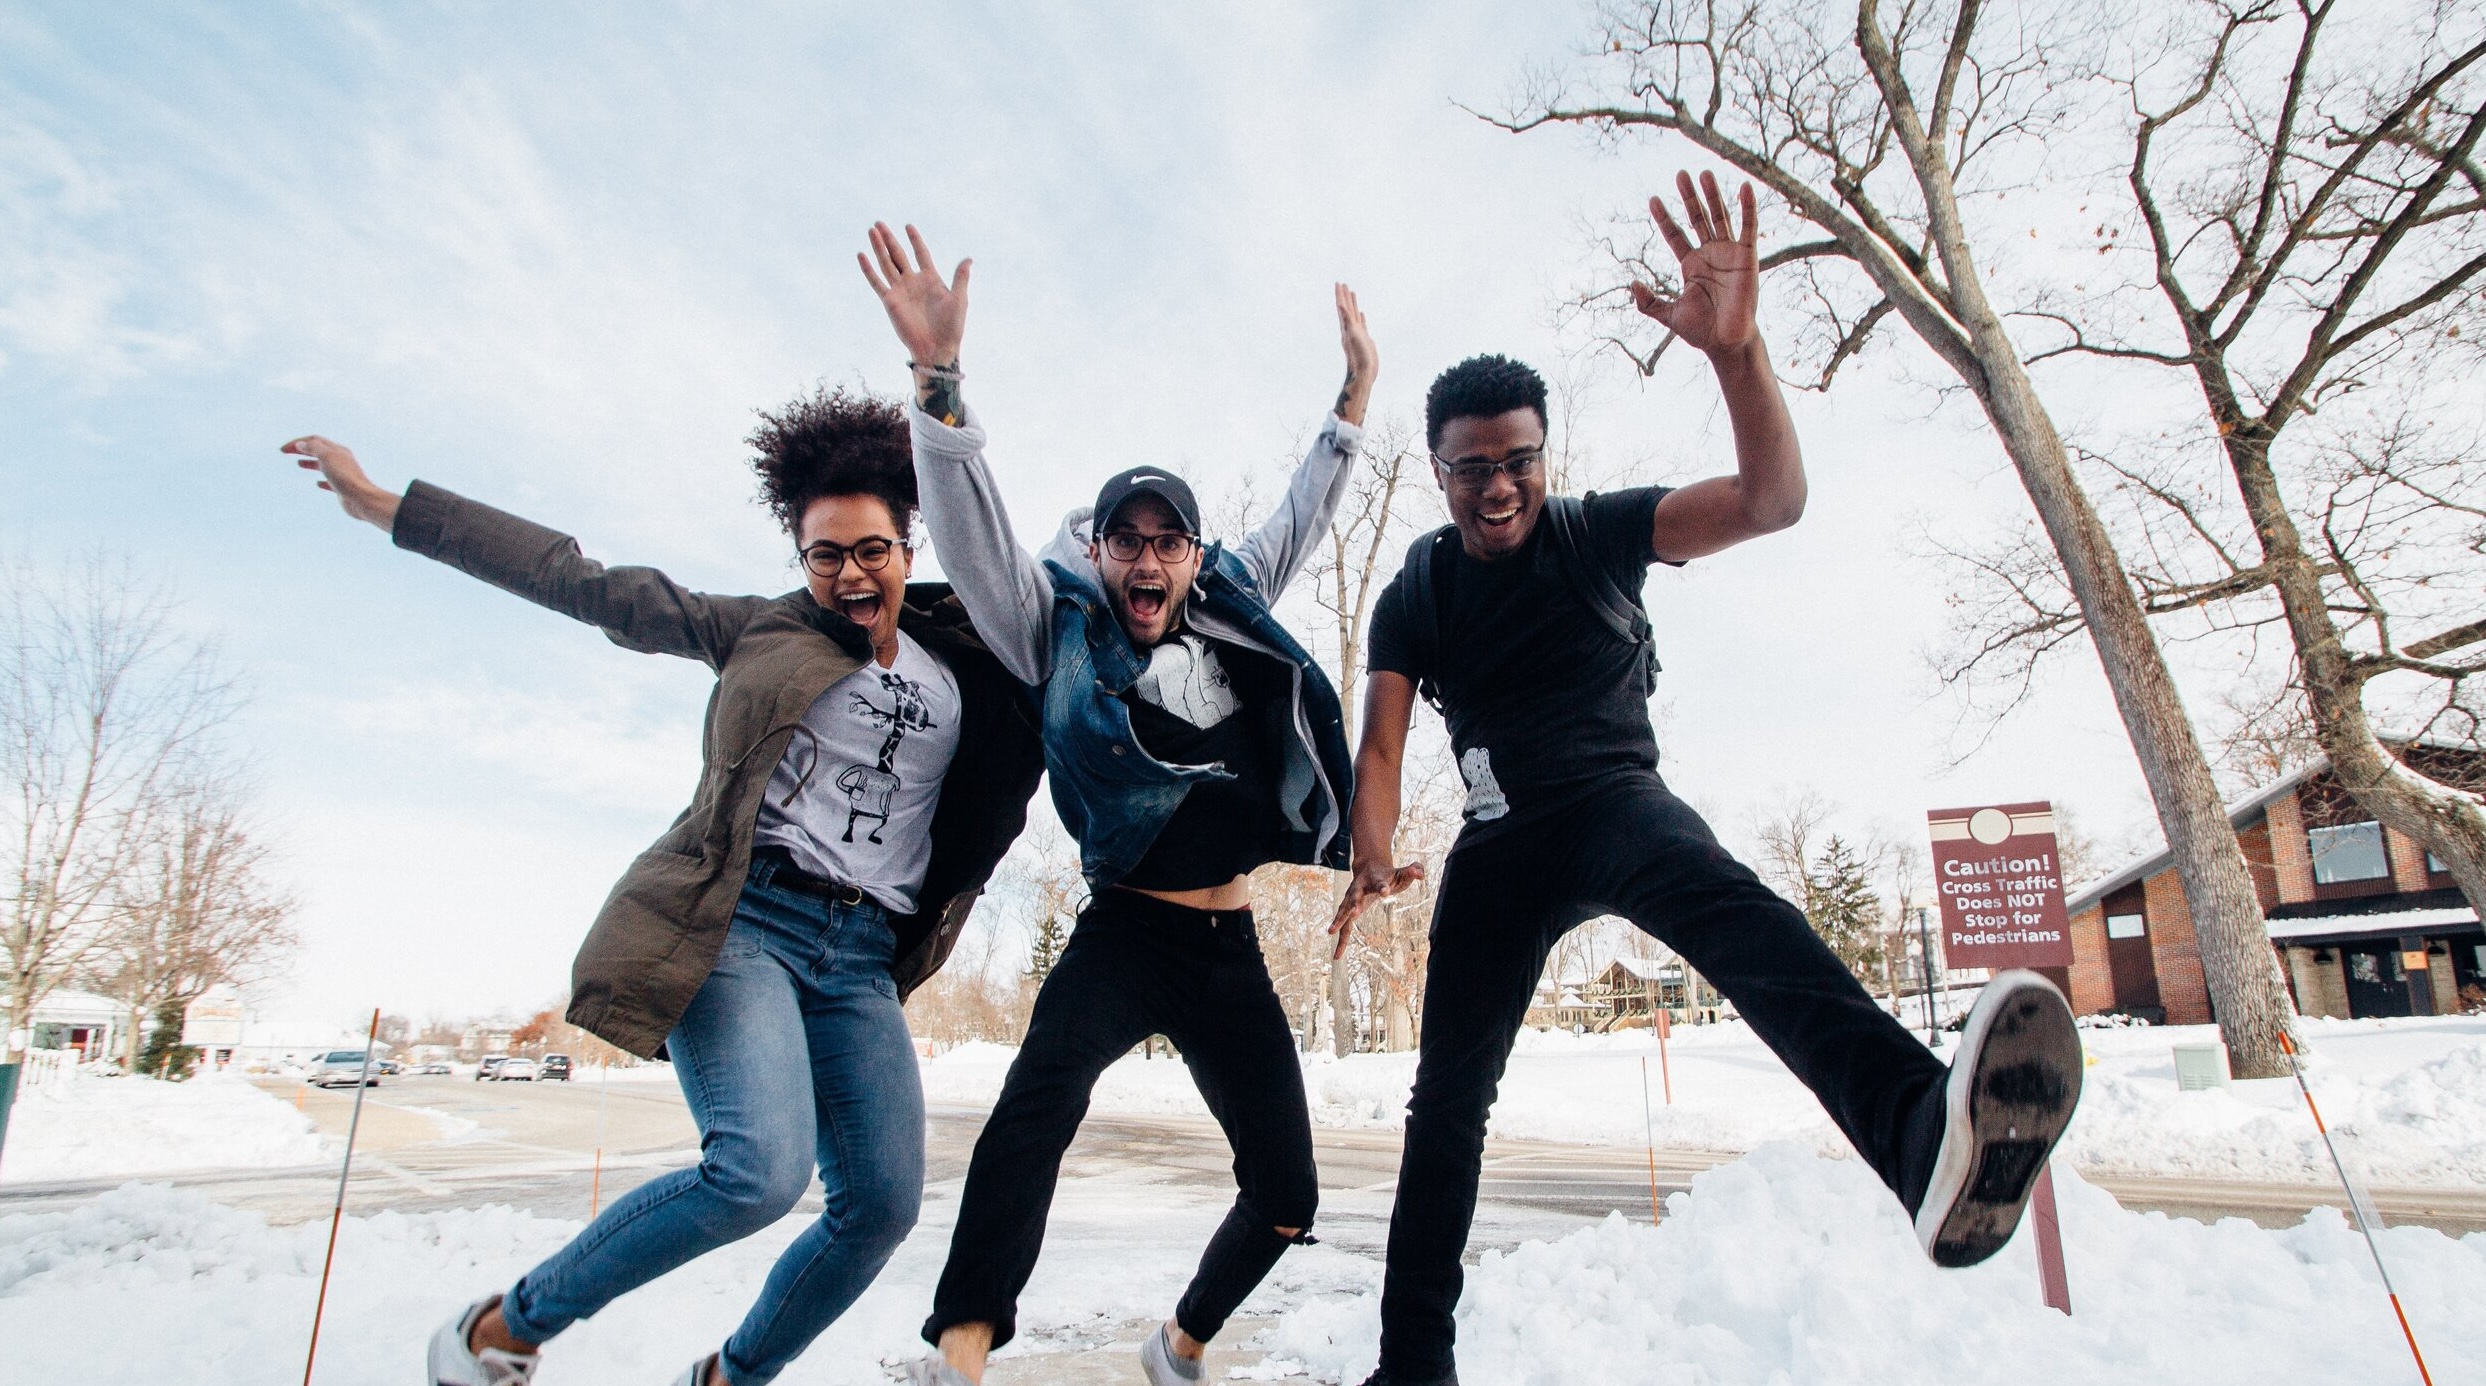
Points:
[637,608]
[1715,314]
[1006,592]
[1277,550]
[1389,705]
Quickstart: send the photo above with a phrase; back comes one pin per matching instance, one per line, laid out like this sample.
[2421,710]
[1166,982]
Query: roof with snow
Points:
[2240,813]
[2377,923]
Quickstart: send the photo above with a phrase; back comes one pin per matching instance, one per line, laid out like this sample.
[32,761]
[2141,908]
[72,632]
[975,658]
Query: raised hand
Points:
[1367,882]
[363,498]
[1363,358]
[930,316]
[1721,274]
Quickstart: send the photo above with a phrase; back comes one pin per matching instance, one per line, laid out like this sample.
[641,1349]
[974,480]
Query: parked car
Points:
[554,1069]
[342,1068]
[490,1062]
[434,1067]
[514,1070]
[391,1067]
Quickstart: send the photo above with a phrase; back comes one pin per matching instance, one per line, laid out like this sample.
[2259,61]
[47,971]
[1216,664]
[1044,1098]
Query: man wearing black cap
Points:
[1188,739]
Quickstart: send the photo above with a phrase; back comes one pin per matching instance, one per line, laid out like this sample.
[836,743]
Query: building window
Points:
[2351,853]
[2435,866]
[2126,926]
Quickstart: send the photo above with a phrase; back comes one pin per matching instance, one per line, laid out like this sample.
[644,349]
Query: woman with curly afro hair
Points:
[825,866]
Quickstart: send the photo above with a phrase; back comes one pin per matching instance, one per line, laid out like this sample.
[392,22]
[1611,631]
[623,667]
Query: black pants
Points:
[1637,851]
[1137,967]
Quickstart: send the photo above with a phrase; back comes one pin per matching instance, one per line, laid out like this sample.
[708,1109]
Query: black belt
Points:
[788,876]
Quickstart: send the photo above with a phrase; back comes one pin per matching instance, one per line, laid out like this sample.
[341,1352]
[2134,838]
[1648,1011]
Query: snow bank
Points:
[1784,1266]
[2409,1095]
[93,1128]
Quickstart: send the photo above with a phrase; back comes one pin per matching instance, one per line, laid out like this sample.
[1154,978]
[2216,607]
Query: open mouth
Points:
[862,608]
[1498,519]
[1146,600]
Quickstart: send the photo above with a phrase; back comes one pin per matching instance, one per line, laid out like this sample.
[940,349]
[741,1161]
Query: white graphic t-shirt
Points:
[1186,678]
[869,777]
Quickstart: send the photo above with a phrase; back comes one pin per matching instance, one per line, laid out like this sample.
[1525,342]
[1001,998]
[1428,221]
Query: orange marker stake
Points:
[2356,1204]
[337,1217]
[1663,1070]
[595,1188]
[1649,1118]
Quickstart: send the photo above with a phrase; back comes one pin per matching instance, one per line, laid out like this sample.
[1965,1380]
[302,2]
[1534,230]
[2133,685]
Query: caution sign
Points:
[2001,886]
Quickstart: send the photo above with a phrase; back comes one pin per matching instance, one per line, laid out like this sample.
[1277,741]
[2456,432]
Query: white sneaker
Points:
[2009,1096]
[453,1363]
[1164,1367]
[697,1373]
[931,1370]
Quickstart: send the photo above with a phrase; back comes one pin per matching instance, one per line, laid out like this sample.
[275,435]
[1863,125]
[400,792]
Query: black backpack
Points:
[1567,519]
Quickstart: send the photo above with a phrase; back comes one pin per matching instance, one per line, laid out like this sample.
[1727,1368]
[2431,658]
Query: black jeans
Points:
[1137,967]
[1634,850]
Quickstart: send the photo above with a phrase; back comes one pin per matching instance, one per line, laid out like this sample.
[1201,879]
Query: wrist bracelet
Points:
[948,372]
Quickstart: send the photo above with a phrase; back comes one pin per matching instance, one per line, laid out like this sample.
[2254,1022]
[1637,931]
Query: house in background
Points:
[2365,922]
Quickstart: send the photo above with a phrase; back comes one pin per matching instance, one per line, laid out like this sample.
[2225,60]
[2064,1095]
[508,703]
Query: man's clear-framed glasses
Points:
[1475,474]
[1124,545]
[827,560]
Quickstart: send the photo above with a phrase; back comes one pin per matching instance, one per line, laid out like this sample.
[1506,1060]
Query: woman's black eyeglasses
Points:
[1123,545]
[871,555]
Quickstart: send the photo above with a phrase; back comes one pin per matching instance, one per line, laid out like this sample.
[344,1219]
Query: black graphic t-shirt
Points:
[1205,702]
[1543,698]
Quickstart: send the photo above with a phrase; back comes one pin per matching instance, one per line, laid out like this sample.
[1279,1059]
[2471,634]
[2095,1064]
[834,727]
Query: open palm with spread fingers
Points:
[1721,273]
[930,315]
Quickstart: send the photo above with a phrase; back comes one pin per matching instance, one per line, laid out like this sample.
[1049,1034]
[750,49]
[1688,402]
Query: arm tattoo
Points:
[938,396]
[1340,408]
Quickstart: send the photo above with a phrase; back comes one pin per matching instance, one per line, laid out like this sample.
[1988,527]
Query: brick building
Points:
[2364,921]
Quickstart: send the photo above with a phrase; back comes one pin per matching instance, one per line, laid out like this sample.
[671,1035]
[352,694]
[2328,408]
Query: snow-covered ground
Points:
[100,1128]
[1784,1266]
[2409,1096]
[1780,1267]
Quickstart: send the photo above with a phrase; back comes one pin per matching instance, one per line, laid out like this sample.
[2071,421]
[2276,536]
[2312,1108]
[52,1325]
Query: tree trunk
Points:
[2237,960]
[2246,990]
[2445,821]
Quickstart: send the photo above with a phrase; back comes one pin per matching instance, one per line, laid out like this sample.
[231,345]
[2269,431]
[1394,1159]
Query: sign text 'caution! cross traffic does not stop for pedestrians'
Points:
[2000,881]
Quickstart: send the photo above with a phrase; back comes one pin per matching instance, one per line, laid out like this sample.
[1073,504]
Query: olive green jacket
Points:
[660,931]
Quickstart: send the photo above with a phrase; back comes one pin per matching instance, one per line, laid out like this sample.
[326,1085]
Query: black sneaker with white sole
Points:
[2009,1096]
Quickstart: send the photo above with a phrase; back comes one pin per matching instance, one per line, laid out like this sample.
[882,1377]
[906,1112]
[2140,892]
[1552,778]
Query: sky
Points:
[554,256]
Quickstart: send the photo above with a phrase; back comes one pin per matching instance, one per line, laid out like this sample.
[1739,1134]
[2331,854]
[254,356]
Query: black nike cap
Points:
[1147,481]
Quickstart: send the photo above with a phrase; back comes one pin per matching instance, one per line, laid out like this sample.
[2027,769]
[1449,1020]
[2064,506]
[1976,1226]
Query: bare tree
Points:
[1387,498]
[2315,214]
[102,703]
[1879,131]
[193,907]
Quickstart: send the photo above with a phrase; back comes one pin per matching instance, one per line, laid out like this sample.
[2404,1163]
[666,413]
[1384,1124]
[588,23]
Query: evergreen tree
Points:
[1840,902]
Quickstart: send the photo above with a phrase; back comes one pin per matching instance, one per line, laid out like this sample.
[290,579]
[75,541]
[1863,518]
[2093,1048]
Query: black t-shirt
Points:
[1543,698]
[1223,828]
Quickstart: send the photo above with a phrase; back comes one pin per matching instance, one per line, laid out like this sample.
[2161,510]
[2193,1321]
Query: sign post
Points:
[2000,883]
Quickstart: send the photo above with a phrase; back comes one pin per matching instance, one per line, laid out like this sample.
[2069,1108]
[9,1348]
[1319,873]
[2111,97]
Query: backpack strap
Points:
[1424,592]
[1620,610]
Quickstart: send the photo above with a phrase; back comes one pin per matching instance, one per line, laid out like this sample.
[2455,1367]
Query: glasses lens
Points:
[824,559]
[872,554]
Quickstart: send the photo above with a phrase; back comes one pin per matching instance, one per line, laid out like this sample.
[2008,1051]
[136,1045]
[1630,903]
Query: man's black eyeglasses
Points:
[1476,476]
[871,555]
[1123,545]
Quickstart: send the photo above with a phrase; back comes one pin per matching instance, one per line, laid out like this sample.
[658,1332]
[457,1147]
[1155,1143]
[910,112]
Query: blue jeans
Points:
[795,1049]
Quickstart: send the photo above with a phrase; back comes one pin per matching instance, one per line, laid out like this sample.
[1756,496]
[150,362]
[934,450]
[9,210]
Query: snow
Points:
[103,1128]
[1784,1266]
[2408,1097]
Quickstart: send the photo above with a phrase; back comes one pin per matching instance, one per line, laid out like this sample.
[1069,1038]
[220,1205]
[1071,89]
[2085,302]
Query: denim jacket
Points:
[1049,623]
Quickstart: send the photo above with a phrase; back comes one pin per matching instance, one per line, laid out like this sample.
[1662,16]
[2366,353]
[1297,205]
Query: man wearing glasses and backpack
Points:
[1188,739]
[1521,620]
